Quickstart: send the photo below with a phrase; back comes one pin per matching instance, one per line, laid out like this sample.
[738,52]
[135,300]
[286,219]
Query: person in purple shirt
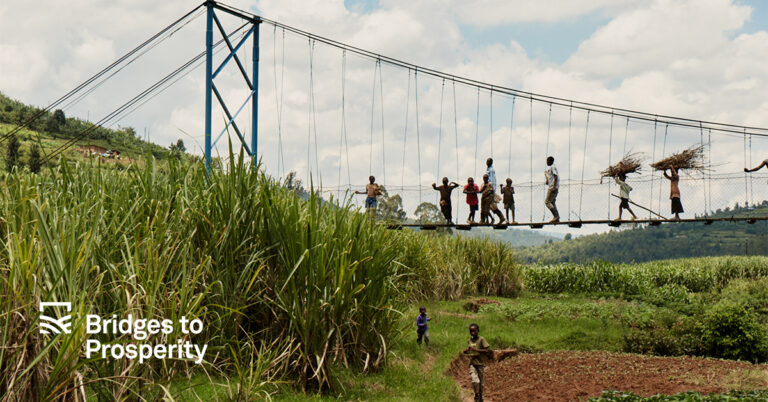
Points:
[422,330]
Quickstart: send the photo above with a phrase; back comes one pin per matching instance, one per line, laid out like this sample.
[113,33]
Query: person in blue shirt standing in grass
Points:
[422,329]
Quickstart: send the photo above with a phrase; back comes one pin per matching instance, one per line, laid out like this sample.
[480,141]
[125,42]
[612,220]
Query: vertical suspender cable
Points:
[610,161]
[314,112]
[626,132]
[655,123]
[701,142]
[511,124]
[531,162]
[546,151]
[456,136]
[309,114]
[383,143]
[663,152]
[279,99]
[570,124]
[583,164]
[405,130]
[440,128]
[373,108]
[751,184]
[709,170]
[440,133]
[490,118]
[341,131]
[418,135]
[477,125]
[746,186]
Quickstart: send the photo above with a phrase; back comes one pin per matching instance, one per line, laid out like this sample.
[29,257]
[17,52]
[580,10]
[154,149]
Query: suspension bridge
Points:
[334,114]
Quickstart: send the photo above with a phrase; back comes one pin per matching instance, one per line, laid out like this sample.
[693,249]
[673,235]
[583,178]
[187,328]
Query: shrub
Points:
[732,330]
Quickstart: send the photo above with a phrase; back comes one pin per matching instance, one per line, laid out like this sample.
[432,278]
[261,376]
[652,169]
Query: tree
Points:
[567,236]
[390,208]
[428,212]
[12,152]
[35,161]
[59,117]
[180,145]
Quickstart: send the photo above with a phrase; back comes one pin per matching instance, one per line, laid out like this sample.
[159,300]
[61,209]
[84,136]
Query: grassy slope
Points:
[661,242]
[418,373]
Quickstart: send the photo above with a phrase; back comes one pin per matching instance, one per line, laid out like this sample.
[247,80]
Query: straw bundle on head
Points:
[630,163]
[691,158]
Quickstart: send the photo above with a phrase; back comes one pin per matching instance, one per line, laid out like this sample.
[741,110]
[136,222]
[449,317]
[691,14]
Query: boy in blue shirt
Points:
[422,329]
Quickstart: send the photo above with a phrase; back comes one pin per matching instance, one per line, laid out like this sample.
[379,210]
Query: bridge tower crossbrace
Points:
[210,75]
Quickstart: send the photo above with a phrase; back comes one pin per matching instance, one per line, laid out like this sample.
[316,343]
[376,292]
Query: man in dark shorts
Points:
[624,190]
[509,199]
[372,190]
[445,198]
[478,349]
[674,192]
[471,191]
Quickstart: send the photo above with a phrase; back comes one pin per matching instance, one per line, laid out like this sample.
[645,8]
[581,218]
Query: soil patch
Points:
[474,304]
[569,376]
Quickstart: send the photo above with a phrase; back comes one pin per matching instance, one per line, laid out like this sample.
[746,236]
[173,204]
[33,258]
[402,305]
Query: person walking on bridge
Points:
[552,180]
[674,192]
[624,190]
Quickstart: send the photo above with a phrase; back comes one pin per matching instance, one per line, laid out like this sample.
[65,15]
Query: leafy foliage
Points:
[662,242]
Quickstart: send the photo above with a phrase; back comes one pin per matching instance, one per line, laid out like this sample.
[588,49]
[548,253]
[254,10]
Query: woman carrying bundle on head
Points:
[629,164]
[691,158]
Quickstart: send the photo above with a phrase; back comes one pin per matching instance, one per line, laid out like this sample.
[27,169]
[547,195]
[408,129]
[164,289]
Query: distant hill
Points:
[53,129]
[514,237]
[670,240]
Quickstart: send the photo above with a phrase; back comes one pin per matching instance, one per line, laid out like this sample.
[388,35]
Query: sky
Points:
[699,59]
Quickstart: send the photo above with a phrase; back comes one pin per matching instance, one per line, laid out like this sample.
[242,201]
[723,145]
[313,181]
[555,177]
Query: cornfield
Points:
[287,288]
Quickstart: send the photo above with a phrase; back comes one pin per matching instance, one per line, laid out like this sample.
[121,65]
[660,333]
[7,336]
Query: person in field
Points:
[372,190]
[445,198]
[422,328]
[471,191]
[624,190]
[477,350]
[488,202]
[552,180]
[508,193]
[674,192]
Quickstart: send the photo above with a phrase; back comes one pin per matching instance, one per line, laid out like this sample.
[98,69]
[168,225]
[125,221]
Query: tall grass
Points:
[287,288]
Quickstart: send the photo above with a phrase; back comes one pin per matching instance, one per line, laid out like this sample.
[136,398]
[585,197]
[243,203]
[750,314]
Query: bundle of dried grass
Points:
[630,163]
[691,158]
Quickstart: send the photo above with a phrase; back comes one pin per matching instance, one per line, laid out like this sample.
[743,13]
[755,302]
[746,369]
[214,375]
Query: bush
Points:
[732,330]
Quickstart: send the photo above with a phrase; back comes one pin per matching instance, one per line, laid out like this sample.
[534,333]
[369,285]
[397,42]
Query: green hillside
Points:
[513,237]
[673,240]
[54,129]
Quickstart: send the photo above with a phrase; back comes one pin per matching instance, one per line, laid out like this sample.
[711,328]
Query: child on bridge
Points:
[674,192]
[372,190]
[445,198]
[509,199]
[624,190]
[471,191]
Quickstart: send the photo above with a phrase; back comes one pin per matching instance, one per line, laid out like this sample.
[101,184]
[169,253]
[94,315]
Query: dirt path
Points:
[568,376]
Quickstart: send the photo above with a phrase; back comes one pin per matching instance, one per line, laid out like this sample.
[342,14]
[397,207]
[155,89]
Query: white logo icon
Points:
[50,325]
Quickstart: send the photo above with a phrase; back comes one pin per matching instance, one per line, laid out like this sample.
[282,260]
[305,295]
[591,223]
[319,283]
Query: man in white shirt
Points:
[491,172]
[552,180]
